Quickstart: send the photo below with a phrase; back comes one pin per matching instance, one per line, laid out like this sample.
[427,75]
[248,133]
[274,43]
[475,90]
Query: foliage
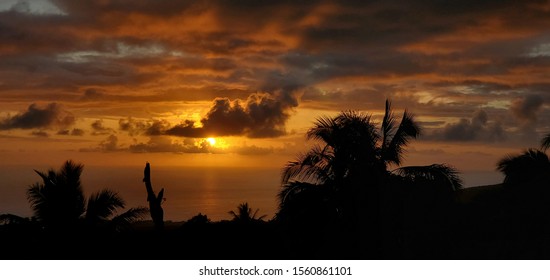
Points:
[531,165]
[58,202]
[342,188]
[437,174]
[545,142]
[244,214]
[199,219]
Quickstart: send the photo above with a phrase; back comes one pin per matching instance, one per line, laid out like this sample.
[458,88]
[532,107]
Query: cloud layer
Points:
[261,115]
[36,116]
[474,71]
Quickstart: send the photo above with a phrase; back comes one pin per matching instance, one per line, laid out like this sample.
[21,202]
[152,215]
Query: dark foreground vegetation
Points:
[346,198]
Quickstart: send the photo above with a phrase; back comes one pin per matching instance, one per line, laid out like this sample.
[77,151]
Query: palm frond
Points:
[323,130]
[545,142]
[357,141]
[311,166]
[59,200]
[124,220]
[260,218]
[529,164]
[103,204]
[244,214]
[47,178]
[72,171]
[435,173]
[38,200]
[388,125]
[407,130]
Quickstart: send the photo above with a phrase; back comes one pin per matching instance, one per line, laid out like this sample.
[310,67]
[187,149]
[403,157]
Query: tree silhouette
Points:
[530,166]
[155,201]
[545,142]
[58,202]
[351,147]
[526,180]
[345,181]
[352,157]
[244,214]
[11,219]
[527,202]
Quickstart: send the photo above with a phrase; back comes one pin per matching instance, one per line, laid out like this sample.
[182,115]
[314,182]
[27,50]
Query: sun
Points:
[211,141]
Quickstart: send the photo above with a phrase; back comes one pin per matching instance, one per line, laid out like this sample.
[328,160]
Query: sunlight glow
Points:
[211,140]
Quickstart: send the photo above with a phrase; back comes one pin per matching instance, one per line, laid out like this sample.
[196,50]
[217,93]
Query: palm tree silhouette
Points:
[351,147]
[527,201]
[58,203]
[531,166]
[545,142]
[345,178]
[244,214]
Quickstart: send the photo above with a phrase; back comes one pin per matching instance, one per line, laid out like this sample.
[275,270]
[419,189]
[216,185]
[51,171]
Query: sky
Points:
[238,83]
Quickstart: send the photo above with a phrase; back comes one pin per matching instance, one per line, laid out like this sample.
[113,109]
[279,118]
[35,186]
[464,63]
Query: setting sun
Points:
[211,141]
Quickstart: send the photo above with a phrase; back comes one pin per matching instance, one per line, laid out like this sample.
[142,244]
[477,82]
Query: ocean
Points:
[212,191]
[188,191]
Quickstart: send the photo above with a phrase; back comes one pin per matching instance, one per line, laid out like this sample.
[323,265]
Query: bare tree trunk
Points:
[155,208]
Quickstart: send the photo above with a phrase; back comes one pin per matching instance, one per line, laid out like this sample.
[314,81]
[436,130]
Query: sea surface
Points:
[188,191]
[213,191]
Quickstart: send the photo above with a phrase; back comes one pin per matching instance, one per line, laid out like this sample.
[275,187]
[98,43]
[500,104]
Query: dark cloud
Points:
[164,144]
[157,127]
[526,108]
[261,115]
[73,132]
[100,129]
[40,133]
[93,94]
[145,127]
[132,126]
[477,128]
[109,144]
[50,116]
[253,150]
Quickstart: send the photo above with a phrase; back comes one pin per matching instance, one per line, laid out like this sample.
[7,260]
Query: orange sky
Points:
[119,82]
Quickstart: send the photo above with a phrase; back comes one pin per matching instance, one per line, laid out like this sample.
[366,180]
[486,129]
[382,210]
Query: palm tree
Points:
[526,181]
[351,151]
[244,214]
[527,203]
[352,147]
[531,166]
[345,177]
[58,202]
[349,139]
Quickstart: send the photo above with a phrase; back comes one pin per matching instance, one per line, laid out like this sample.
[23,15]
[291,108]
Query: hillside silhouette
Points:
[348,197]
